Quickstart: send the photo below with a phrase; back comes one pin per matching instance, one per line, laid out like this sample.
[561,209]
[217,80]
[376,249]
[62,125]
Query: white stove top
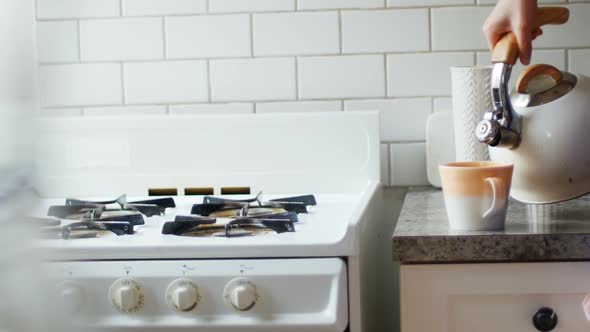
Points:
[327,230]
[333,156]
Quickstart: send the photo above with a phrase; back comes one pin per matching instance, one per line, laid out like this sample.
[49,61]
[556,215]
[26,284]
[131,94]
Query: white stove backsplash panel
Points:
[288,153]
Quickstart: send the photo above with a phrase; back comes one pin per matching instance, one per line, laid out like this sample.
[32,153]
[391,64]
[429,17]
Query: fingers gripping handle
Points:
[506,50]
[498,195]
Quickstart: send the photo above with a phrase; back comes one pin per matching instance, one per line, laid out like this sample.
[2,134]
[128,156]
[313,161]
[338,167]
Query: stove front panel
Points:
[215,295]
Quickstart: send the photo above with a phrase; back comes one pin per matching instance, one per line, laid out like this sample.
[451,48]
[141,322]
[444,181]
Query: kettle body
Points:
[552,160]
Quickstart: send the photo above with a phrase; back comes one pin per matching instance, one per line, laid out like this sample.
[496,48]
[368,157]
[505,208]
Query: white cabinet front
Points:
[495,297]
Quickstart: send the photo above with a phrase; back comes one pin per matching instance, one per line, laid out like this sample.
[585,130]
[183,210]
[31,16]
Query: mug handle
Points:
[498,193]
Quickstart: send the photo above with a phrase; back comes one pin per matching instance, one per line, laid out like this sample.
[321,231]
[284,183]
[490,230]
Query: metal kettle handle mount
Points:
[501,125]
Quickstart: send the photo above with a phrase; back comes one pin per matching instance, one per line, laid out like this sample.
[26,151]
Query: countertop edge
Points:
[491,248]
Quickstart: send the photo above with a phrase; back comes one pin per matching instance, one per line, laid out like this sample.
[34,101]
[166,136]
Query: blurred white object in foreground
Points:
[21,308]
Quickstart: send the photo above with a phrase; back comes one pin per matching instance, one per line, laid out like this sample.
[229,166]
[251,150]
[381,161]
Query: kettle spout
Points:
[500,126]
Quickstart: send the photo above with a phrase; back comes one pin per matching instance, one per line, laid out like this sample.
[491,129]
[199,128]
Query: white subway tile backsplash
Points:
[298,106]
[122,39]
[229,108]
[385,164]
[53,9]
[425,74]
[579,61]
[176,57]
[348,76]
[422,3]
[208,36]
[459,28]
[165,82]
[57,41]
[339,4]
[572,34]
[80,84]
[296,33]
[163,7]
[250,5]
[385,31]
[253,79]
[408,164]
[125,110]
[553,57]
[401,119]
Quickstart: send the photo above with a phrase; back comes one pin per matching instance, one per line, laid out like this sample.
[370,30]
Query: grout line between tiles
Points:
[121,8]
[296,59]
[209,86]
[164,38]
[79,41]
[186,102]
[209,13]
[251,16]
[430,32]
[284,56]
[386,76]
[340,39]
[123,84]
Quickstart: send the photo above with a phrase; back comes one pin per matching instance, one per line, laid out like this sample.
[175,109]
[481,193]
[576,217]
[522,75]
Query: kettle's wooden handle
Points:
[506,50]
[533,71]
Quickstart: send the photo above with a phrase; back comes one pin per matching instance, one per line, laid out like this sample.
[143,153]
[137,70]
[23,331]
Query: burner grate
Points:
[218,216]
[95,216]
[211,204]
[238,226]
[74,207]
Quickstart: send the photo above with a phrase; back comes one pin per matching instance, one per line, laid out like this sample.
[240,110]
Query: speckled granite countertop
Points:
[557,232]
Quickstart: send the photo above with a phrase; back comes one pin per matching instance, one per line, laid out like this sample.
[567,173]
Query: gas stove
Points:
[265,228]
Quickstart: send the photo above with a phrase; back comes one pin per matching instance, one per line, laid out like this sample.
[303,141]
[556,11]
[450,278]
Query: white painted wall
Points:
[245,56]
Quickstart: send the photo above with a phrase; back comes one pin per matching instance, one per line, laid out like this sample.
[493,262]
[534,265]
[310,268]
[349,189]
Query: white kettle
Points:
[543,127]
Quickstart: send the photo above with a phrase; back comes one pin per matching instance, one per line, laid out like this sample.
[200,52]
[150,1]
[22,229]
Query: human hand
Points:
[516,16]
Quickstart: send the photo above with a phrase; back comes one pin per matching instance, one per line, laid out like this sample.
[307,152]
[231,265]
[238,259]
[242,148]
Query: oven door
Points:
[210,295]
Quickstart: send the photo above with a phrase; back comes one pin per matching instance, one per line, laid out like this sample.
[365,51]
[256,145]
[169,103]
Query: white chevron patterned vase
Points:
[471,98]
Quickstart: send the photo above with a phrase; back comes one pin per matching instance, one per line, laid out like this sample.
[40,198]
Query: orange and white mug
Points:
[476,194]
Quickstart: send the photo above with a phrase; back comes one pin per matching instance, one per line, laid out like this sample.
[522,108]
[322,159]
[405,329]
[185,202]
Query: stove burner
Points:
[96,216]
[212,204]
[94,220]
[75,207]
[238,226]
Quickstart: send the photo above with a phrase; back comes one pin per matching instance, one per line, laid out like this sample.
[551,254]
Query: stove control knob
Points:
[182,295]
[240,294]
[126,294]
[71,297]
